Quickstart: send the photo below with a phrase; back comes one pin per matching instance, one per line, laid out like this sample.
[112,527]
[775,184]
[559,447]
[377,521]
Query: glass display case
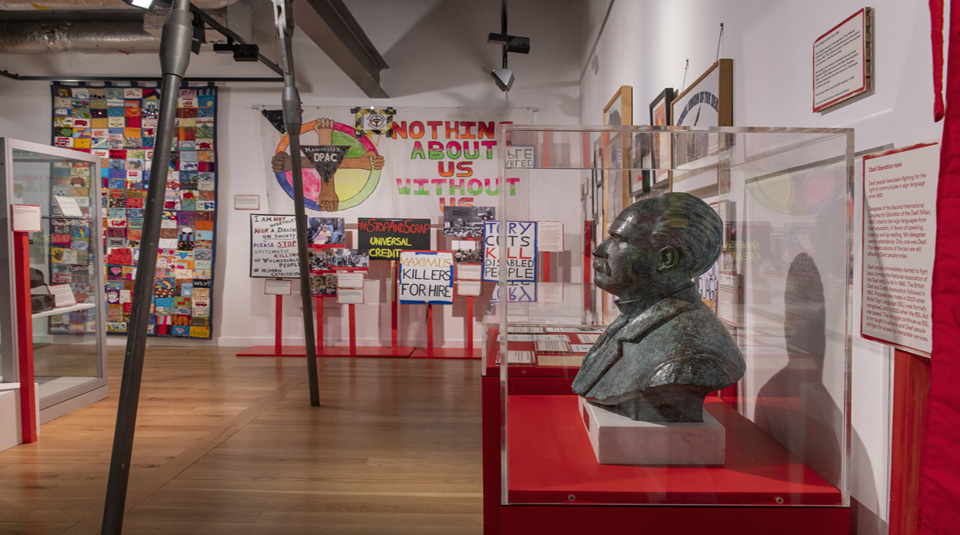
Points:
[780,288]
[68,330]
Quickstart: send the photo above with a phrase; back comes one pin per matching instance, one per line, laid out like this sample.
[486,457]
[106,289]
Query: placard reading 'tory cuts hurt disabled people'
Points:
[520,254]
[899,229]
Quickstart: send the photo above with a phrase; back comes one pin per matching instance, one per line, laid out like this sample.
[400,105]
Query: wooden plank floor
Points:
[231,445]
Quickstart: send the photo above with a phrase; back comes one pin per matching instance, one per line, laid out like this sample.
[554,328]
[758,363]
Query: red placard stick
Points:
[353,329]
[319,324]
[393,306]
[430,330]
[470,324]
[278,328]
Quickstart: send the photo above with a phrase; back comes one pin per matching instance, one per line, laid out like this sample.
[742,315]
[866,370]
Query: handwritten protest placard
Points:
[273,247]
[521,250]
[386,238]
[426,277]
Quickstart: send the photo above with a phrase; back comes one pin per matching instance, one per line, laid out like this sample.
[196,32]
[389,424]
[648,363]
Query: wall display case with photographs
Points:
[780,287]
[67,254]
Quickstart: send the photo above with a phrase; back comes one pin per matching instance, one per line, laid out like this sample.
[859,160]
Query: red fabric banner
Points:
[936,38]
[939,491]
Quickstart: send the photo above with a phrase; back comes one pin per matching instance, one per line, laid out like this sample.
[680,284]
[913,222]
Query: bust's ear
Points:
[669,259]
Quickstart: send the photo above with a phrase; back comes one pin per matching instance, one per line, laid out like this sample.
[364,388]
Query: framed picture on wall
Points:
[660,108]
[707,102]
[642,172]
[660,151]
[618,111]
[709,99]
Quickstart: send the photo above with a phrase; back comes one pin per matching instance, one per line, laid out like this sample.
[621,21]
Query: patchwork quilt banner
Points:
[119,125]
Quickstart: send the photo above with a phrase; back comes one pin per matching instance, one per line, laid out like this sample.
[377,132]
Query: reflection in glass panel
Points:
[64,263]
[780,288]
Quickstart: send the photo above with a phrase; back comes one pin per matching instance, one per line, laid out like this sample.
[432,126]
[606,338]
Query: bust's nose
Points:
[601,250]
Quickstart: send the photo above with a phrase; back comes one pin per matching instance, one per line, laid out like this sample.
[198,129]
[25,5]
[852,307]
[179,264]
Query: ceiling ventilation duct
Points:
[75,5]
[106,31]
[44,32]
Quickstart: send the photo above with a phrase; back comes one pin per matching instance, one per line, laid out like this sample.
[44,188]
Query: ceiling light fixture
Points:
[508,43]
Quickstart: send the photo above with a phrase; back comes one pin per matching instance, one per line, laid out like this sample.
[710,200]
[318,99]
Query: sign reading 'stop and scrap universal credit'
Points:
[273,246]
[520,252]
[385,238]
[426,277]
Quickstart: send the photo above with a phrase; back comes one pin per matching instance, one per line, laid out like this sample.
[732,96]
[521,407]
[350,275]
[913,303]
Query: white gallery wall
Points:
[645,44]
[582,51]
[438,56]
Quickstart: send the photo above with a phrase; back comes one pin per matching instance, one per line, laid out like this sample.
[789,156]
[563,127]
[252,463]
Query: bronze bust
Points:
[667,350]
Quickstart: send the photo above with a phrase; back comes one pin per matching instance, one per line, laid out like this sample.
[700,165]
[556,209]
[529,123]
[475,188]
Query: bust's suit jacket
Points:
[676,341]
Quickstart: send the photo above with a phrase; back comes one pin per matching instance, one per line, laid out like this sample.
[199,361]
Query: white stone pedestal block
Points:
[617,439]
[10,432]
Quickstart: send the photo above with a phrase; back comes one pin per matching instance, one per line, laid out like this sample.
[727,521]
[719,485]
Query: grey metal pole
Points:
[293,119]
[174,57]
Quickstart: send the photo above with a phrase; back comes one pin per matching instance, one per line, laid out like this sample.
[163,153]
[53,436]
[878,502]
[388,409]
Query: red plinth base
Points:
[446,353]
[577,519]
[758,471]
[271,351]
[551,460]
[401,352]
[301,351]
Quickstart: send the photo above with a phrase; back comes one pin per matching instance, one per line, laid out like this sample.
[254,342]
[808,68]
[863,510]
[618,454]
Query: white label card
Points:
[469,288]
[348,279]
[553,346]
[350,296]
[470,272]
[26,218]
[899,237]
[276,287]
[550,236]
[246,202]
[62,295]
[68,206]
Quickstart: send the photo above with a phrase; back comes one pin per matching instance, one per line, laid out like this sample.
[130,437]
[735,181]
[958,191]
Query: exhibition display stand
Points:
[467,352]
[324,350]
[558,486]
[52,299]
[785,466]
[277,349]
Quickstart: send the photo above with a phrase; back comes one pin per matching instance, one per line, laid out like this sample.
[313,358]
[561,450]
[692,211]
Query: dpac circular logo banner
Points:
[339,170]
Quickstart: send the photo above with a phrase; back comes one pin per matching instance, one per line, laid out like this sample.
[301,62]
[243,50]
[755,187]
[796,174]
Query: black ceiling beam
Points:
[331,26]
[230,34]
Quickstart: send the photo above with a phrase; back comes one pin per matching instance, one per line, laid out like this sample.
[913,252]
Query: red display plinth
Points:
[446,353]
[271,351]
[328,351]
[540,438]
[550,461]
[401,352]
[576,520]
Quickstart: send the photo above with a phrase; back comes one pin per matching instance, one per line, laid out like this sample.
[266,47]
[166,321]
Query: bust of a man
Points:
[667,350]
